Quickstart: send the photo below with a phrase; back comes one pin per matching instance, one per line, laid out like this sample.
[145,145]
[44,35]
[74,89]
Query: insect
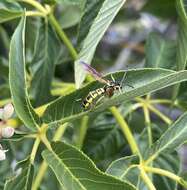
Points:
[107,90]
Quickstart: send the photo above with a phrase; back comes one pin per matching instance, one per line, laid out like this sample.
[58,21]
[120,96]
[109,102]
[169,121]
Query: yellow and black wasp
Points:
[108,90]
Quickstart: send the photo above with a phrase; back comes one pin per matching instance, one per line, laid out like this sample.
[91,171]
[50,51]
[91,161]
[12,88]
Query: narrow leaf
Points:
[90,12]
[181,42]
[74,170]
[69,107]
[9,11]
[174,136]
[104,18]
[17,78]
[24,179]
[160,53]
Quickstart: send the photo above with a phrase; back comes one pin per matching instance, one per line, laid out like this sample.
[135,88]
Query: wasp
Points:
[107,90]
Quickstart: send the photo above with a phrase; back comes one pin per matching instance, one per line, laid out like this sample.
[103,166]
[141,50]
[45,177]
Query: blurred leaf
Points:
[17,77]
[98,140]
[24,179]
[160,53]
[70,15]
[43,64]
[74,170]
[161,8]
[122,169]
[91,11]
[173,137]
[70,1]
[9,11]
[68,107]
[106,14]
[3,68]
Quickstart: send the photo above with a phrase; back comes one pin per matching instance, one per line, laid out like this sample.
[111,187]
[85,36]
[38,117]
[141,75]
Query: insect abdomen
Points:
[92,96]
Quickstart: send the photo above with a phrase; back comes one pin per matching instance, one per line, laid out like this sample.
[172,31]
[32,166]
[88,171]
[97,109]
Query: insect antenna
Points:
[123,79]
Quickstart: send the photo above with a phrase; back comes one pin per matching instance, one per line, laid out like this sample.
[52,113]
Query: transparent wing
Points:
[94,73]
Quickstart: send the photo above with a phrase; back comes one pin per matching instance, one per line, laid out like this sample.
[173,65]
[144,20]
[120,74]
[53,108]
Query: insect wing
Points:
[94,73]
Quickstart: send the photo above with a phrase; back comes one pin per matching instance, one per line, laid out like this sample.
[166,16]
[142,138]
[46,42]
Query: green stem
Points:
[34,149]
[83,130]
[160,114]
[125,128]
[43,167]
[63,36]
[162,172]
[146,179]
[36,4]
[34,13]
[148,123]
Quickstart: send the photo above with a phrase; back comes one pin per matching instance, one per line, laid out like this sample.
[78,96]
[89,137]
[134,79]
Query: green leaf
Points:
[173,137]
[182,36]
[106,14]
[99,138]
[74,170]
[43,64]
[160,52]
[9,11]
[162,8]
[123,169]
[24,179]
[68,107]
[181,42]
[70,16]
[90,12]
[169,162]
[17,78]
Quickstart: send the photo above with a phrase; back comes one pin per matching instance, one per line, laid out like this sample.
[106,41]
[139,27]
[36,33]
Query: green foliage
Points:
[127,141]
[24,179]
[74,170]
[17,78]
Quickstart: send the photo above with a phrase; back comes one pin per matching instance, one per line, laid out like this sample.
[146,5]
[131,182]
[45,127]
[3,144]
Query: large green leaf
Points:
[107,12]
[143,80]
[9,11]
[173,137]
[74,170]
[17,78]
[160,52]
[43,63]
[90,12]
[24,179]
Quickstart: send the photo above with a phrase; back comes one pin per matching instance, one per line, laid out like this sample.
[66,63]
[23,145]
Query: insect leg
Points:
[99,100]
[112,77]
